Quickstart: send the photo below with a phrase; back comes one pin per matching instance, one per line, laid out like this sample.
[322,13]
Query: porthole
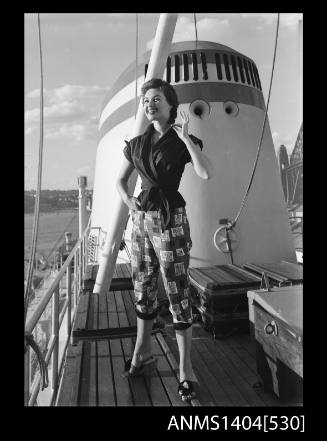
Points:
[200,109]
[231,108]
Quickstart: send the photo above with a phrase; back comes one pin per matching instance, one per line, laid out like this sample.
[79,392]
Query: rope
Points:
[29,341]
[37,200]
[232,224]
[196,31]
[229,247]
[136,61]
[123,243]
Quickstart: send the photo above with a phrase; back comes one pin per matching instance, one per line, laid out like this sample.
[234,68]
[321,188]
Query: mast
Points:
[157,63]
[82,183]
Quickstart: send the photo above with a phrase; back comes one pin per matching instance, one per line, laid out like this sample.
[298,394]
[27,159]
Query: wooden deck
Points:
[225,369]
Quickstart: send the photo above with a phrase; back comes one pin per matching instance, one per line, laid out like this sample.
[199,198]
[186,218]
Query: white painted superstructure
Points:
[230,141]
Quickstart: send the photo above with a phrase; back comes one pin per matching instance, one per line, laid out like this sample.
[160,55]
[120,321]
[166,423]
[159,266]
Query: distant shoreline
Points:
[51,229]
[55,210]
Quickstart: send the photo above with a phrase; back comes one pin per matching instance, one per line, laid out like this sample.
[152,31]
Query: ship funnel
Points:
[220,89]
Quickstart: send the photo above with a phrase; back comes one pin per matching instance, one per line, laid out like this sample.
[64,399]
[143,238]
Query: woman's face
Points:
[155,105]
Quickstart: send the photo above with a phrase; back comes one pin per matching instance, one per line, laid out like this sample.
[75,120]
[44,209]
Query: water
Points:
[52,227]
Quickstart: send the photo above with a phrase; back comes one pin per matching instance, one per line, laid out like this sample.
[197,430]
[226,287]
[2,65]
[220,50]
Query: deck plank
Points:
[207,381]
[246,342]
[93,371]
[82,311]
[154,383]
[121,311]
[105,382]
[112,311]
[156,390]
[126,297]
[129,307]
[88,381]
[103,320]
[68,392]
[244,354]
[167,373]
[106,392]
[123,393]
[70,387]
[250,395]
[269,398]
[137,384]
[120,384]
[204,396]
[238,371]
[92,321]
[220,375]
[250,376]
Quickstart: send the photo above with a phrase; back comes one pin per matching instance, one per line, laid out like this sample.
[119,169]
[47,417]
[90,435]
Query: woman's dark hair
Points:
[169,93]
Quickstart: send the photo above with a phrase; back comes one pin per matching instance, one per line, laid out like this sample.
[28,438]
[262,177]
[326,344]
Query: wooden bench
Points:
[280,273]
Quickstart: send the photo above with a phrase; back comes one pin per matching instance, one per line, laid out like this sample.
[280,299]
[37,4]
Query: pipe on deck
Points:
[157,63]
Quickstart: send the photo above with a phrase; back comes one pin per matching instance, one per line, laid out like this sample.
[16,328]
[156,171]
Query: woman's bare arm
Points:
[125,173]
[201,163]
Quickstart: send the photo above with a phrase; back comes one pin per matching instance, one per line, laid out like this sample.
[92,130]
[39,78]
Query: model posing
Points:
[161,238]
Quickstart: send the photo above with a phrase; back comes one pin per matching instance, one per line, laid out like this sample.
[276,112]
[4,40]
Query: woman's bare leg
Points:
[142,349]
[184,342]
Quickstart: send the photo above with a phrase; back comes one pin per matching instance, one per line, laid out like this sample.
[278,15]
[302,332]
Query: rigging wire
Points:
[232,224]
[37,199]
[29,338]
[196,31]
[136,60]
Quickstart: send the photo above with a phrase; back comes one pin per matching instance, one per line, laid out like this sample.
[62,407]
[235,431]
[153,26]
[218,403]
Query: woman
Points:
[161,235]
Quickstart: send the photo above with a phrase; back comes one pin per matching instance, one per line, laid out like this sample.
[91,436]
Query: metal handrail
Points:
[32,321]
[79,254]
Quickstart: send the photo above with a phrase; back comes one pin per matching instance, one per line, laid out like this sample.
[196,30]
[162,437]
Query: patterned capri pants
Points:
[167,251]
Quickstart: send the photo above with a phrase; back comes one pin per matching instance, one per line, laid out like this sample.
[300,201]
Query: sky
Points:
[84,54]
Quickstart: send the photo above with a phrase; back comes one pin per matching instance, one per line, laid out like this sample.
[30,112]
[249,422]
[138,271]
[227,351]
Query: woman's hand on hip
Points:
[132,203]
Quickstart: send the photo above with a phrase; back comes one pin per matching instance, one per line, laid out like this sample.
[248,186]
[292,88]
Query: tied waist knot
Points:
[157,195]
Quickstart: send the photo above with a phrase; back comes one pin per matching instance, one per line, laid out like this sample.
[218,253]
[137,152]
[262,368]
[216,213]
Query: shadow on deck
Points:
[225,369]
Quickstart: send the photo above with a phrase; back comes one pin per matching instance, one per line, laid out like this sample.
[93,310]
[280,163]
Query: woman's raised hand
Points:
[182,131]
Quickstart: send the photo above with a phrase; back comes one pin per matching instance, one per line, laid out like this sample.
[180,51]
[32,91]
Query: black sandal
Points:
[135,371]
[186,390]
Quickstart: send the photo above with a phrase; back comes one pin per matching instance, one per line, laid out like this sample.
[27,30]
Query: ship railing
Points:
[67,286]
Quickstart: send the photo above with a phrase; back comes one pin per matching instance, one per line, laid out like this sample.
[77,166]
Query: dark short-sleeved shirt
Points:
[160,167]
